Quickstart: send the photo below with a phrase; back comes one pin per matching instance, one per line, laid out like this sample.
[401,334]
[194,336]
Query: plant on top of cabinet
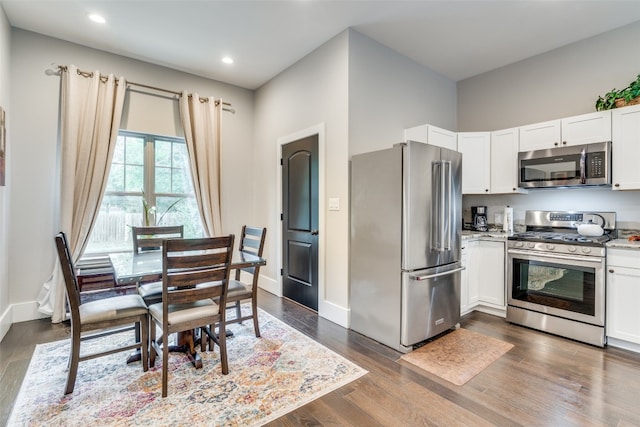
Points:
[620,98]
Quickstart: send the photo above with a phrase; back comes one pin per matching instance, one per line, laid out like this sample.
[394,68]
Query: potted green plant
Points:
[620,98]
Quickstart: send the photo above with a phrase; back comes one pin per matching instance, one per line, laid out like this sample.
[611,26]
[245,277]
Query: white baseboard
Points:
[21,312]
[270,285]
[5,322]
[334,313]
[626,345]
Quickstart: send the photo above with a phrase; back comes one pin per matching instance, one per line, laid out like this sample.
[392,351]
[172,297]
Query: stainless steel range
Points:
[556,276]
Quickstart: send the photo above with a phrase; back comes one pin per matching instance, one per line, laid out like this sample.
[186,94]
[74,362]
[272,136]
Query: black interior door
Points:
[300,221]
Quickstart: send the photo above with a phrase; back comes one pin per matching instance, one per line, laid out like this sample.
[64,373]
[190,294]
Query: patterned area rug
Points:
[458,356]
[268,377]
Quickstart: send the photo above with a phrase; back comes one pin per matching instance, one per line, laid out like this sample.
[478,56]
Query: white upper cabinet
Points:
[433,135]
[476,162]
[625,151]
[504,161]
[540,136]
[587,128]
[576,130]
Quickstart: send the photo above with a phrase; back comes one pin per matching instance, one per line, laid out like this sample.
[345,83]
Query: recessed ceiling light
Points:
[97,18]
[227,60]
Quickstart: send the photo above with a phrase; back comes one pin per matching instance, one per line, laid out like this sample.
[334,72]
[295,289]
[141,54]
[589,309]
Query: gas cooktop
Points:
[561,227]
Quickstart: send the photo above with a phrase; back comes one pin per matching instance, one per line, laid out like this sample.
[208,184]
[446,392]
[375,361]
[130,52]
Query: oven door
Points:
[568,286]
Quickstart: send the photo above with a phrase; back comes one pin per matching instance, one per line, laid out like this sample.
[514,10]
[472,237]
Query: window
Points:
[147,168]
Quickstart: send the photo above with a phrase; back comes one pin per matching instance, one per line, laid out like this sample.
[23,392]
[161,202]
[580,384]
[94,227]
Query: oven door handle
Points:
[595,260]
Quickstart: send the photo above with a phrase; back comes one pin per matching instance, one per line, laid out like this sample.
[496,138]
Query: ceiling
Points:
[458,39]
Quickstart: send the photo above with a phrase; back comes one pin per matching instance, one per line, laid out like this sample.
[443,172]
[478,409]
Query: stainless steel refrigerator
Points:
[406,223]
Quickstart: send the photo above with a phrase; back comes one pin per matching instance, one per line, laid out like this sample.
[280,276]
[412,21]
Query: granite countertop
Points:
[623,244]
[494,234]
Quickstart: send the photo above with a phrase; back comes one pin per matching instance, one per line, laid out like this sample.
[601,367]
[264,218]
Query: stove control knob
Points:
[519,244]
[586,250]
[550,247]
[571,248]
[531,245]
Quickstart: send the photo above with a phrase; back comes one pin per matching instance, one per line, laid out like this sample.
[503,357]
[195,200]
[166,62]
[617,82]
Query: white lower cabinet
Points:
[623,295]
[483,280]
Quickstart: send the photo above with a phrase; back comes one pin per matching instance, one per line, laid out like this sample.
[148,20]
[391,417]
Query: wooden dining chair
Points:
[105,316]
[194,273]
[252,241]
[151,238]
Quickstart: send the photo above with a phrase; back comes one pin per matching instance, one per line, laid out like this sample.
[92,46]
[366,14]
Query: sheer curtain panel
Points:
[201,123]
[90,114]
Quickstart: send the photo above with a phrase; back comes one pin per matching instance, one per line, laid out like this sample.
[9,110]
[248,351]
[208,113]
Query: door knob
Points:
[314,232]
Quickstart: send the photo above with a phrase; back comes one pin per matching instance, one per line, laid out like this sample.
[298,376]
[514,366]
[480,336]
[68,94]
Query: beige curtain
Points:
[90,114]
[201,123]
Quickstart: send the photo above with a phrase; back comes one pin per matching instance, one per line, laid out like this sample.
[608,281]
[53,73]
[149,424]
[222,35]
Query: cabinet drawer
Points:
[623,258]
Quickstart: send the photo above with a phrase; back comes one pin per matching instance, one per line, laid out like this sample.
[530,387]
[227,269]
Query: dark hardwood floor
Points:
[543,381]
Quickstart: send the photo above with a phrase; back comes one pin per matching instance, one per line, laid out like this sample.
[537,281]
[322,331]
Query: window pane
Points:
[118,155]
[134,152]
[163,180]
[112,231]
[184,212]
[163,153]
[134,178]
[116,178]
[181,183]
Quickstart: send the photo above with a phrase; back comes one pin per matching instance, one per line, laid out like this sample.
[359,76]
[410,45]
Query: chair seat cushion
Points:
[112,308]
[150,290]
[180,313]
[238,289]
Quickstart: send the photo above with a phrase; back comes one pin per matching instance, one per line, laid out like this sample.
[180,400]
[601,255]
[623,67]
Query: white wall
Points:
[561,83]
[388,92]
[5,86]
[34,125]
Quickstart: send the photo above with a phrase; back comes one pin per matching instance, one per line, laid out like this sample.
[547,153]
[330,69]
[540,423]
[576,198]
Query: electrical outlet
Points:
[334,204]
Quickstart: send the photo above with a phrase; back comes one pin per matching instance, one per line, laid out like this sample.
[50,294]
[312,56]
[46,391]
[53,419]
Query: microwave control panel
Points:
[596,164]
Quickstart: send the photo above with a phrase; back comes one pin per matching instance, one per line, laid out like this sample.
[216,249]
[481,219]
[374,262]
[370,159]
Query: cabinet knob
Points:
[555,143]
[564,142]
[611,270]
[616,185]
[486,190]
[514,188]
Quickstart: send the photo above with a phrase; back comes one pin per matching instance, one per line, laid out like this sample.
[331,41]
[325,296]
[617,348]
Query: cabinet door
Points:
[623,298]
[442,138]
[432,135]
[476,158]
[586,128]
[504,161]
[540,136]
[473,270]
[625,166]
[491,261]
[464,280]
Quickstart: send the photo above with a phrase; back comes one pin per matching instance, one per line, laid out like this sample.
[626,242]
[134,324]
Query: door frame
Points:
[319,130]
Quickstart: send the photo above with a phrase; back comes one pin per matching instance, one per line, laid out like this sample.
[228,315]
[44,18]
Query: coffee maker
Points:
[479,218]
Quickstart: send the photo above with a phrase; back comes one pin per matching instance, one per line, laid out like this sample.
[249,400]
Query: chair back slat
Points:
[151,238]
[196,269]
[252,241]
[68,271]
[188,260]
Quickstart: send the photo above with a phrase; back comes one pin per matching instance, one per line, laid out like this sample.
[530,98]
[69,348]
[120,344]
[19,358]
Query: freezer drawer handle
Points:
[444,273]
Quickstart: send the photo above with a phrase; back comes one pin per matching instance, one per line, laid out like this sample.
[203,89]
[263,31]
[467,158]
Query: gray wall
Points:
[561,83]
[5,86]
[34,126]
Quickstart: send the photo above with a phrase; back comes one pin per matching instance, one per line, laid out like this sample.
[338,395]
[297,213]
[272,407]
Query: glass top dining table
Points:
[132,268]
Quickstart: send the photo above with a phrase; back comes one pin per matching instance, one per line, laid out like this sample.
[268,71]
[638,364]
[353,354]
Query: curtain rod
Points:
[226,105]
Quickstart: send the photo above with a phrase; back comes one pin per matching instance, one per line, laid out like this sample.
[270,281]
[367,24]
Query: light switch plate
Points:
[334,204]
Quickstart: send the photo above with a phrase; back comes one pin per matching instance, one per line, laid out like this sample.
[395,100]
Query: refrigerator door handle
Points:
[447,211]
[444,273]
[443,192]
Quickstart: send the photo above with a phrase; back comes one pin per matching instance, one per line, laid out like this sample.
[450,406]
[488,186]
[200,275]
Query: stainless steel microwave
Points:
[573,166]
